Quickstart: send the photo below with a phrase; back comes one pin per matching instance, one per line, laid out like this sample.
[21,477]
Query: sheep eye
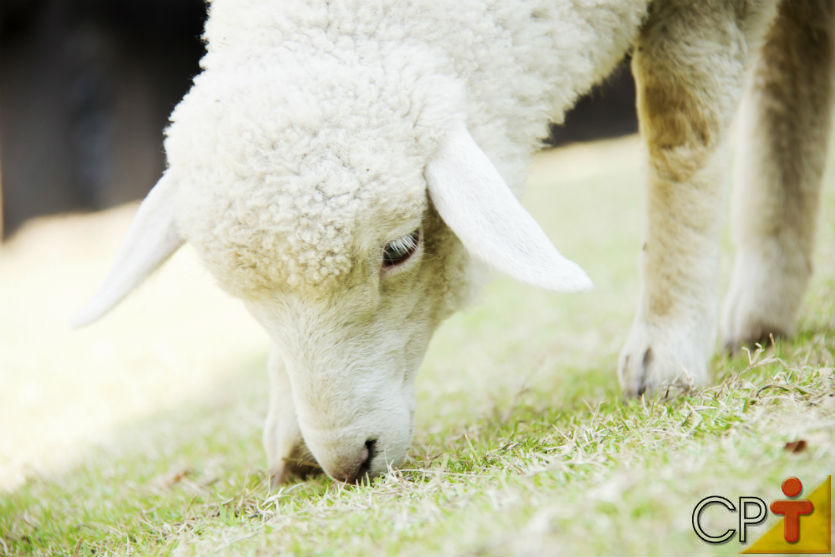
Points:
[399,250]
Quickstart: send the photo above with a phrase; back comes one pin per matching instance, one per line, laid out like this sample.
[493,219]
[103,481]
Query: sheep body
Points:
[319,134]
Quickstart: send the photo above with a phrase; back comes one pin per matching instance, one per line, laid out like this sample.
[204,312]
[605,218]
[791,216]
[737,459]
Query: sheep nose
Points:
[354,470]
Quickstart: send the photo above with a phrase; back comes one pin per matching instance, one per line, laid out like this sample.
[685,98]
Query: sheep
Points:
[348,168]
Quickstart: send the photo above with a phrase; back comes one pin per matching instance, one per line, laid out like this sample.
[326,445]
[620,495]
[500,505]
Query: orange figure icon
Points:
[791,510]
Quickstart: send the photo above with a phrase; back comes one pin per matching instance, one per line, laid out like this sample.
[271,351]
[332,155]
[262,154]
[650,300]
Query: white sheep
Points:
[340,166]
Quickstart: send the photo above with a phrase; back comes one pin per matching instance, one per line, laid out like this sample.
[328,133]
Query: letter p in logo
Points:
[745,519]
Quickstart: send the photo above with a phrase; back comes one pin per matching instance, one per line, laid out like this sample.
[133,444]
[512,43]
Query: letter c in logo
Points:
[697,515]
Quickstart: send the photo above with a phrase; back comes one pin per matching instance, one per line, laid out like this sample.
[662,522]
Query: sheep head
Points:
[347,225]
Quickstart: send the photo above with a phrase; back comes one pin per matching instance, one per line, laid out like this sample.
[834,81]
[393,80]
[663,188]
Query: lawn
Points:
[141,434]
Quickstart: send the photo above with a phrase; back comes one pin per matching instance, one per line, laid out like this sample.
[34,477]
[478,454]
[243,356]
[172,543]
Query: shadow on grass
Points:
[154,480]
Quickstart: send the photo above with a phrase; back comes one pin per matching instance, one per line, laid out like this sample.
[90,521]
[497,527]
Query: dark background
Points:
[86,88]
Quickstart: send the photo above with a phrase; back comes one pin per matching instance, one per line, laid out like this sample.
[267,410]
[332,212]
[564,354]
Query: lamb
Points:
[346,169]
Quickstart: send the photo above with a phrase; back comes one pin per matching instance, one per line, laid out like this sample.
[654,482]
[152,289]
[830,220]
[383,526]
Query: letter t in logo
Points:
[791,510]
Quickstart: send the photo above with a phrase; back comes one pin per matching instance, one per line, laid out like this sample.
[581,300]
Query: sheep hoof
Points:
[660,362]
[767,287]
[752,335]
[751,320]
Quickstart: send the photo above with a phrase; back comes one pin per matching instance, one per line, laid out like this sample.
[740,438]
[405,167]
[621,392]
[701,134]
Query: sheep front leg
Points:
[785,125]
[689,65]
[287,454]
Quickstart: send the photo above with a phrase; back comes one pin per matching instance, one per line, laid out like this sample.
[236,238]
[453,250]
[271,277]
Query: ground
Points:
[141,434]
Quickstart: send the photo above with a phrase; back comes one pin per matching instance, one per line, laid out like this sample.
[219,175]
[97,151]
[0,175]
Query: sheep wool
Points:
[312,121]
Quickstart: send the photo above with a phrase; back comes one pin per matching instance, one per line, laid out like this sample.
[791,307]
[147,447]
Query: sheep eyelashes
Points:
[401,249]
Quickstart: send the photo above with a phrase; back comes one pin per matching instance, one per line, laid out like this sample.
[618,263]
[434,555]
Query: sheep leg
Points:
[689,66]
[287,455]
[785,126]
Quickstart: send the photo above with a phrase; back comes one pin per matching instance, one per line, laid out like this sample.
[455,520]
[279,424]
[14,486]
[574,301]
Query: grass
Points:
[141,435]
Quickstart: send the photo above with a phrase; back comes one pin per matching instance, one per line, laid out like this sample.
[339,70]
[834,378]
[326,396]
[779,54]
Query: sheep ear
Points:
[151,239]
[476,203]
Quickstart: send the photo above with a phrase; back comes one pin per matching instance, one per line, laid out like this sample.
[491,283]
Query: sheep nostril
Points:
[371,445]
[365,467]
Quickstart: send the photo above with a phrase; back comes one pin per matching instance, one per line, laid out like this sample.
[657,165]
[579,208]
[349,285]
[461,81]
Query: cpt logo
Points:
[805,524]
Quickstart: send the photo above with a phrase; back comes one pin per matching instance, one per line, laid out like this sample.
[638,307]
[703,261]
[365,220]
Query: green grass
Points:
[523,444]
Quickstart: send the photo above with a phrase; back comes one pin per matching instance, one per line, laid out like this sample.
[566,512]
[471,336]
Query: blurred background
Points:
[85,91]
[86,88]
